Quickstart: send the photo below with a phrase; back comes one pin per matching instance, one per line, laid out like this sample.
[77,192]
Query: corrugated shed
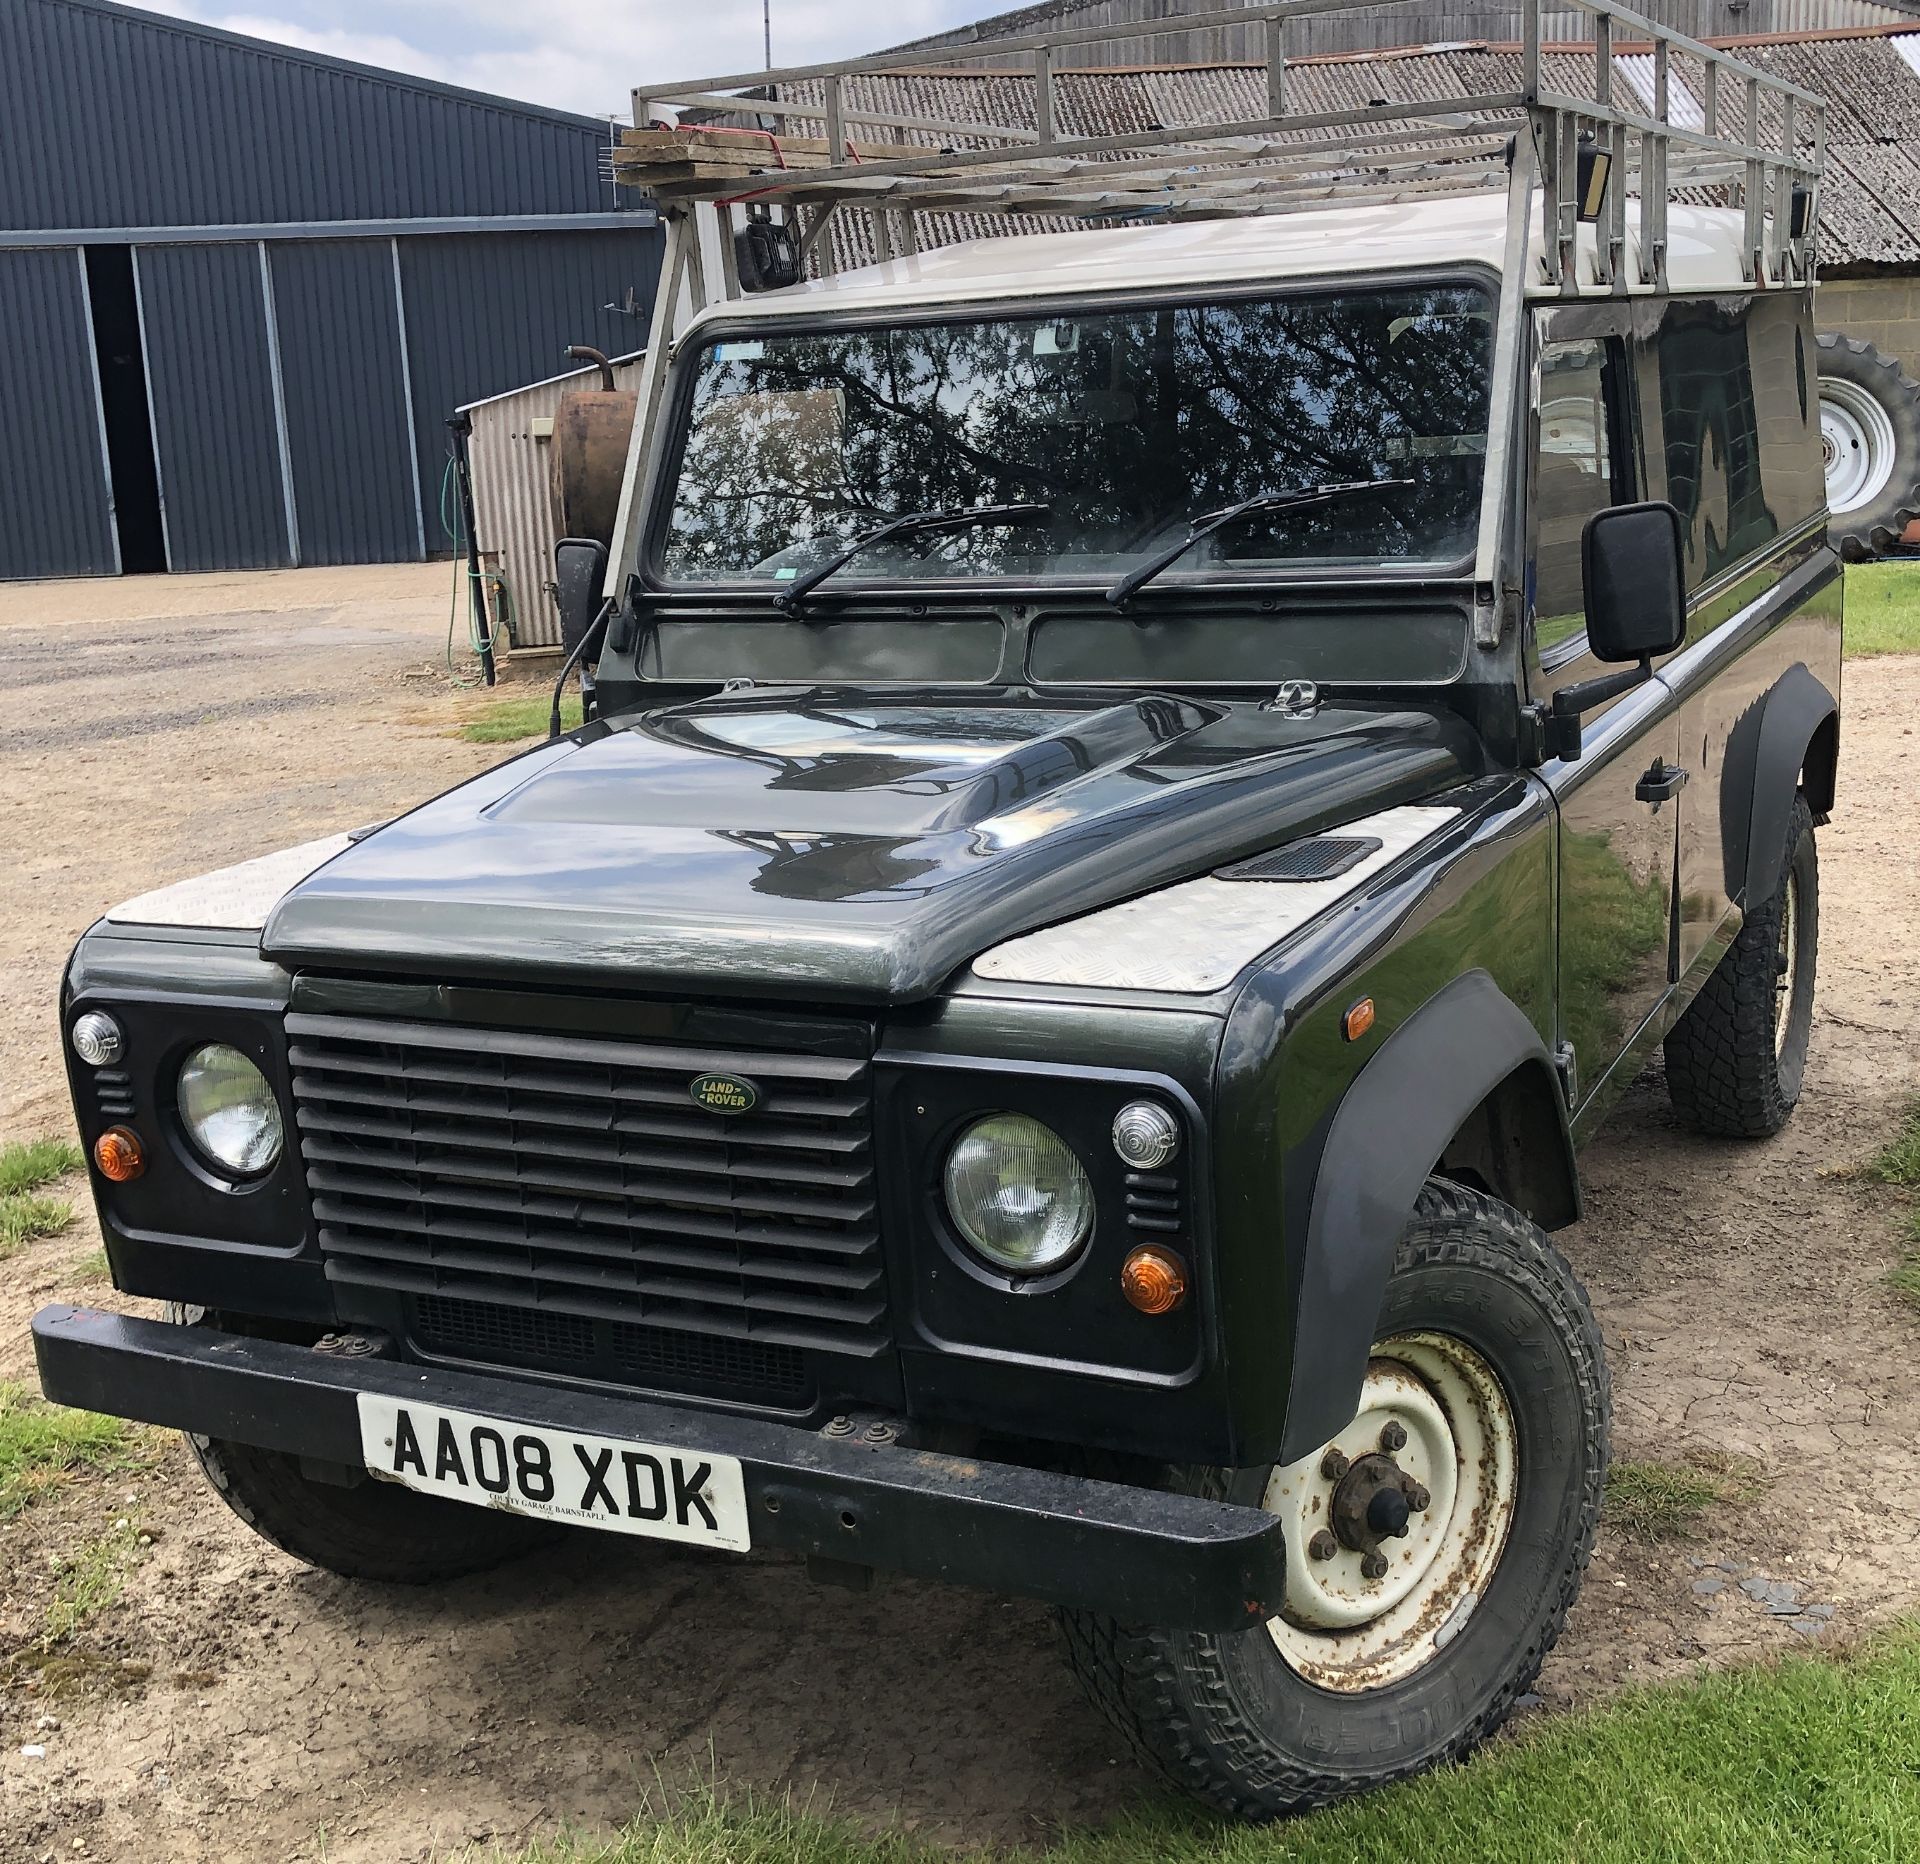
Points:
[1372,28]
[55,517]
[487,312]
[350,454]
[215,423]
[1870,212]
[513,515]
[116,117]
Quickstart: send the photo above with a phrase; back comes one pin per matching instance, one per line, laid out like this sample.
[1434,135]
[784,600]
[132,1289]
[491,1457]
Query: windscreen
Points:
[1127,425]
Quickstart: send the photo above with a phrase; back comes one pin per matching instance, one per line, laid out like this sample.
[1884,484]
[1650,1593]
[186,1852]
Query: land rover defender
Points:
[1143,789]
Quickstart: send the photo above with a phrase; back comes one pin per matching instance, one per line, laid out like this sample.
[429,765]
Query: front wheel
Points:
[1433,1547]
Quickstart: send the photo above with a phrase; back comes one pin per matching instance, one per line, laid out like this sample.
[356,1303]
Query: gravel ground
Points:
[236,1706]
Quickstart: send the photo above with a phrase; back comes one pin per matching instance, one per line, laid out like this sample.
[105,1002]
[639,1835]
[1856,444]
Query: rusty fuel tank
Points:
[588,457]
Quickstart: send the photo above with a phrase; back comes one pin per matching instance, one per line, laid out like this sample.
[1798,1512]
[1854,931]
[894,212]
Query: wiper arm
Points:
[958,518]
[1208,522]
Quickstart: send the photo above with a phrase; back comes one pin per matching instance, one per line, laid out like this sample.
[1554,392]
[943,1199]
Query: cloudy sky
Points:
[582,55]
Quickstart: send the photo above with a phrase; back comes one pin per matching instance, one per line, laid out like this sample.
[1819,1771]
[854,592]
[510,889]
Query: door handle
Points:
[1661,784]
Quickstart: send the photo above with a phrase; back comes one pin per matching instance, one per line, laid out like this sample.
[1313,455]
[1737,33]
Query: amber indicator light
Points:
[1154,1280]
[1357,1020]
[117,1154]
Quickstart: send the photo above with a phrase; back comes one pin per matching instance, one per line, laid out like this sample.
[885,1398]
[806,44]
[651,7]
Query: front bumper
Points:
[1139,1554]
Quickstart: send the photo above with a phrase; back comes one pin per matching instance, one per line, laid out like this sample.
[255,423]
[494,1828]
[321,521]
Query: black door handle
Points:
[1661,784]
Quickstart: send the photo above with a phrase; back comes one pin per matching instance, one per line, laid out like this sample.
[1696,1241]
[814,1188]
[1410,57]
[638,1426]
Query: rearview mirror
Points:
[579,572]
[1634,575]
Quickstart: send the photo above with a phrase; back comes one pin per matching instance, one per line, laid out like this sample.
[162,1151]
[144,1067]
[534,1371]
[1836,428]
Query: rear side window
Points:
[1578,471]
[1738,418]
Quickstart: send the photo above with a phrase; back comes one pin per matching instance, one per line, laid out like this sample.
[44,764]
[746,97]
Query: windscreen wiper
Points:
[956,518]
[1208,522]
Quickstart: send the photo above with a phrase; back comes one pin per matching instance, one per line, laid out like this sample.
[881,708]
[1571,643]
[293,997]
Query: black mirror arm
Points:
[1571,701]
[595,628]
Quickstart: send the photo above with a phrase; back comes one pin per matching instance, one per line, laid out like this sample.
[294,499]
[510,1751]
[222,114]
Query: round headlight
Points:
[1018,1194]
[97,1039]
[229,1110]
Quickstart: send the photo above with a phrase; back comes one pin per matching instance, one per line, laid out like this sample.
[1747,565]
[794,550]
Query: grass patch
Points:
[93,1267]
[1899,1161]
[507,721]
[41,1443]
[27,1215]
[1808,1759]
[92,1577]
[1883,608]
[1898,1164]
[27,1164]
[1665,1501]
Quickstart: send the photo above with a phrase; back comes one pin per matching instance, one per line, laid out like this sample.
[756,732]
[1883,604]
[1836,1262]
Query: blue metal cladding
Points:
[56,511]
[348,435]
[487,312]
[215,425]
[117,118]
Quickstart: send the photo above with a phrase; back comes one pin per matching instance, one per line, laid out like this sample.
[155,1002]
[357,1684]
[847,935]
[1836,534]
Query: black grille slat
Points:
[594,1116]
[714,1164]
[574,1176]
[434,1163]
[572,1092]
[370,1200]
[720,1362]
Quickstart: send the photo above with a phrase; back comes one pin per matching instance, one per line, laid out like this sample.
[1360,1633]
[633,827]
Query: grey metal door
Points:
[216,413]
[56,517]
[349,434]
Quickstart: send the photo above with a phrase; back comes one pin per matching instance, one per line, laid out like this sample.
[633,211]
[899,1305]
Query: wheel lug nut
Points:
[1417,1497]
[1373,1566]
[1334,1465]
[1323,1546]
[1393,1437]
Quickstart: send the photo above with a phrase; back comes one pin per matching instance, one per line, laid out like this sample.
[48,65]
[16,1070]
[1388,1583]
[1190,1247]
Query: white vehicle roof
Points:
[1703,255]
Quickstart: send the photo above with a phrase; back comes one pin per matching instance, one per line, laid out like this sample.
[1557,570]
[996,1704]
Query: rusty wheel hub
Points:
[1395,1527]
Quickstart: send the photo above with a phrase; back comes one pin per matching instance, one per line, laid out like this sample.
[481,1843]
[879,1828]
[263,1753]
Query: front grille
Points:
[615,1350]
[573,1176]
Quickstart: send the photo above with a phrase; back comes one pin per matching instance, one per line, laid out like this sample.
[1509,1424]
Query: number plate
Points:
[632,1488]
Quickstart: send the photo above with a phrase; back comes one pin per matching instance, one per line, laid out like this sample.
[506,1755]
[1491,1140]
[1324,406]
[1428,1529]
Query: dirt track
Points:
[236,1706]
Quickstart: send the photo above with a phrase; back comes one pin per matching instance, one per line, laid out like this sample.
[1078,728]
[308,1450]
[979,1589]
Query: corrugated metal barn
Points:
[243,287]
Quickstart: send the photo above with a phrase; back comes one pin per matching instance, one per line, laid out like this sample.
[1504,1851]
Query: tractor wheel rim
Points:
[1857,444]
[1434,1409]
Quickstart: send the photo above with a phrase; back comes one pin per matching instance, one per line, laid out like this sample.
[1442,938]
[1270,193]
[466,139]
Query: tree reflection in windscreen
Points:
[1127,423]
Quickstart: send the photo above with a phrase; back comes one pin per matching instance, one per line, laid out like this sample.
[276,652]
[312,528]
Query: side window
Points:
[1711,425]
[1578,471]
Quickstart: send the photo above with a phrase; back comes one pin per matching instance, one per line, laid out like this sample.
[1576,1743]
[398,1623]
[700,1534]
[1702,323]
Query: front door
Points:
[1620,802]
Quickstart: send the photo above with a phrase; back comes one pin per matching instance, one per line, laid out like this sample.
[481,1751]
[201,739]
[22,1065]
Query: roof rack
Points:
[1708,125]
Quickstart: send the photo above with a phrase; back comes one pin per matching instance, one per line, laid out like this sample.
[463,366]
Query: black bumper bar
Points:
[1140,1554]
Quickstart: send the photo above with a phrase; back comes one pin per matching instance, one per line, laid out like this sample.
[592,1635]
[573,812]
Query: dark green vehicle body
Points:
[669,877]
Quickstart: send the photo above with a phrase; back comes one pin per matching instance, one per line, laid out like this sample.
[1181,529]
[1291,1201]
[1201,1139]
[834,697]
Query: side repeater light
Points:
[1358,1020]
[117,1154]
[1154,1279]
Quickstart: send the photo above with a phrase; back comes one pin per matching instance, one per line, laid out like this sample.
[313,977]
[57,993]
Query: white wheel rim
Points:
[1344,1631]
[1856,440]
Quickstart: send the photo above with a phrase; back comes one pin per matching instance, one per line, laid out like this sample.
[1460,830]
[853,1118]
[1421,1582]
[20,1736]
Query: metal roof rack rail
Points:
[781,142]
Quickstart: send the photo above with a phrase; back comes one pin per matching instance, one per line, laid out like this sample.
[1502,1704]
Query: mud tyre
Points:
[1737,1057]
[1233,1719]
[350,1524]
[1870,438]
